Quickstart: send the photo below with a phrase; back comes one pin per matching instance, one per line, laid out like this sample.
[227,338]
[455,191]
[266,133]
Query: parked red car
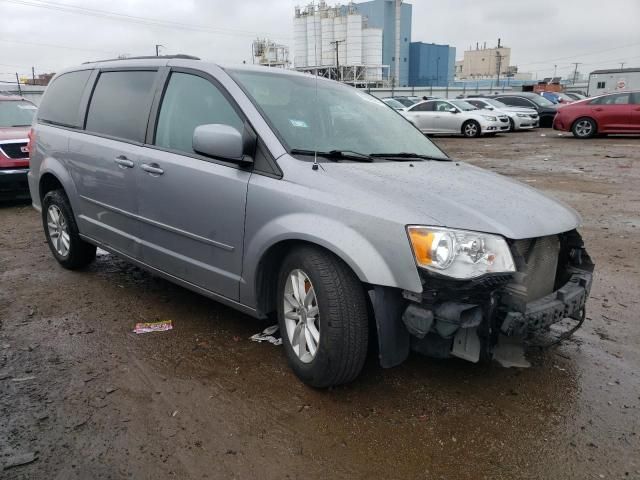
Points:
[16,115]
[611,113]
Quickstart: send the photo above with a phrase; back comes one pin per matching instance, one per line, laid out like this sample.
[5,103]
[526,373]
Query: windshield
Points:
[462,105]
[407,102]
[16,113]
[343,118]
[393,103]
[495,103]
[540,100]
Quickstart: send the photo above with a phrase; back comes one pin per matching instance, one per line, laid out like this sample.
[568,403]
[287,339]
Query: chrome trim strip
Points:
[26,140]
[11,172]
[223,246]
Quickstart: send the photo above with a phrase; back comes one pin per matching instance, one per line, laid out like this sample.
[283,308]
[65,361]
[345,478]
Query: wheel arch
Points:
[53,175]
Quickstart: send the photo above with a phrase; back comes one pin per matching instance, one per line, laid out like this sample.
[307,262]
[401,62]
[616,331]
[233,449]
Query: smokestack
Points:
[398,13]
[485,46]
[477,46]
[498,43]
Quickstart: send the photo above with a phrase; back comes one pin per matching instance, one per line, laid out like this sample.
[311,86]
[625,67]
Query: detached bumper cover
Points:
[566,302]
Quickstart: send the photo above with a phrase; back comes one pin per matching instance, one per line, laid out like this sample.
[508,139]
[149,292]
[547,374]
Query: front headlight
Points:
[459,253]
[490,118]
[523,115]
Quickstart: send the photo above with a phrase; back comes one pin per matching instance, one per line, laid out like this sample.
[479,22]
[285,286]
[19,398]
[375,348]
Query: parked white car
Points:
[520,118]
[455,117]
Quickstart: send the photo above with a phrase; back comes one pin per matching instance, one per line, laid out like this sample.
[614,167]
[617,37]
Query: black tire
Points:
[584,128]
[512,125]
[470,132]
[80,253]
[342,318]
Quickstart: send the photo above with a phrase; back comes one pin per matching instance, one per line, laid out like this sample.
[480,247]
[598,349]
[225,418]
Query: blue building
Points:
[382,14]
[431,64]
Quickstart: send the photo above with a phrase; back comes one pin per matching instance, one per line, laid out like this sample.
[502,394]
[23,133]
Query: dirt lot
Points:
[84,397]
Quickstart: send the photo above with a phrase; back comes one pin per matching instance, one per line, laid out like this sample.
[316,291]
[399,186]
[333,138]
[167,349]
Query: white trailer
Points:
[608,81]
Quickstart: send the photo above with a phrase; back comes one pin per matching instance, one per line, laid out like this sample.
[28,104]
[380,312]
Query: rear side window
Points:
[618,99]
[120,104]
[61,102]
[516,101]
[188,102]
[423,107]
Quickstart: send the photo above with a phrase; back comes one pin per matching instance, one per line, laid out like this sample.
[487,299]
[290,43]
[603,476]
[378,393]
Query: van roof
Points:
[149,57]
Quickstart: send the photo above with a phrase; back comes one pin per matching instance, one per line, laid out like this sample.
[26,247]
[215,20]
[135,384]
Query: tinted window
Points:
[441,106]
[120,104]
[16,113]
[188,102]
[516,101]
[61,102]
[423,107]
[476,103]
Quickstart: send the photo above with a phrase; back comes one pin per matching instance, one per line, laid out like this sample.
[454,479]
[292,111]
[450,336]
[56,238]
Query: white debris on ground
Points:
[267,336]
[101,253]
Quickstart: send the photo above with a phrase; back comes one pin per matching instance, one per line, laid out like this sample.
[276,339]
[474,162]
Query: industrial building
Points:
[431,65]
[484,62]
[269,53]
[355,43]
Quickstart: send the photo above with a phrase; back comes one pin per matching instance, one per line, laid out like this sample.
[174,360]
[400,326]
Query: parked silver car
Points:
[286,195]
[455,117]
[520,118]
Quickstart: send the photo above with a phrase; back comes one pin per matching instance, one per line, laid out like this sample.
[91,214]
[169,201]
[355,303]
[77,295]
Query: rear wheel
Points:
[471,129]
[584,128]
[322,314]
[62,234]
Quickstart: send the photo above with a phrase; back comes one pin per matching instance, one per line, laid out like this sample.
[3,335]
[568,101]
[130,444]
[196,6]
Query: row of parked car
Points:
[616,113]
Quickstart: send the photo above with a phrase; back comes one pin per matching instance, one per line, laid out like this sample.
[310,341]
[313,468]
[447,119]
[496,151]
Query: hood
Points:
[450,194]
[13,133]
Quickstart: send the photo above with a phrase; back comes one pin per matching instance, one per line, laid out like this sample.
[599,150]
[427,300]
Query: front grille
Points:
[537,262]
[534,116]
[15,150]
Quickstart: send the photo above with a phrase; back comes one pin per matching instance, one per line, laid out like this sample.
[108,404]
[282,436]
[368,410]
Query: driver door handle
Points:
[123,161]
[153,168]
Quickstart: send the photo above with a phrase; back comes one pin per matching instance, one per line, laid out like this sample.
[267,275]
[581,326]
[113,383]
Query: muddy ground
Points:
[81,396]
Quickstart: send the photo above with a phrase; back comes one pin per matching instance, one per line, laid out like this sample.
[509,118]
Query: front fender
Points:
[366,259]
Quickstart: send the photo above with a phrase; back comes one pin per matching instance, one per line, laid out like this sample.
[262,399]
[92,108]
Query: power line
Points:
[67,47]
[580,55]
[93,12]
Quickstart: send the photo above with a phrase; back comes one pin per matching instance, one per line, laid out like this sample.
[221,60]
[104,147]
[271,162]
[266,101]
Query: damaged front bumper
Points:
[465,319]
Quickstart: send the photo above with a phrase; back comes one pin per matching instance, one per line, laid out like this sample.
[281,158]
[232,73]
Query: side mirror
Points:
[453,110]
[220,141]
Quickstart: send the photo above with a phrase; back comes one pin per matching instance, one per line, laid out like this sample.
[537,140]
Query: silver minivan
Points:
[289,196]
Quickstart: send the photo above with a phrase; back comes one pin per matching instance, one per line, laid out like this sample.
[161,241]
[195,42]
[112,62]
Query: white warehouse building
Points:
[335,42]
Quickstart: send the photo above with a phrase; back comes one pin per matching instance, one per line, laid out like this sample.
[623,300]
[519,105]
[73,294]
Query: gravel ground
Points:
[83,397]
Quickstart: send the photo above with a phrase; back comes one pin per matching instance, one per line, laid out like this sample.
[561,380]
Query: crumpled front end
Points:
[465,318]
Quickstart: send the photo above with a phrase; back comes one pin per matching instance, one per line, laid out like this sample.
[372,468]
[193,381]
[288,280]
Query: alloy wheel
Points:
[584,128]
[301,315]
[58,230]
[471,130]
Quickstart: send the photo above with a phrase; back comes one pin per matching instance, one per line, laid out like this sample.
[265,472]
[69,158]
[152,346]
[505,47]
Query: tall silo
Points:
[328,49]
[340,34]
[372,52]
[299,41]
[314,39]
[354,39]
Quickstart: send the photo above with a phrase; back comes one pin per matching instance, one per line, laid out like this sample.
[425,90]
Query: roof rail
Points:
[166,57]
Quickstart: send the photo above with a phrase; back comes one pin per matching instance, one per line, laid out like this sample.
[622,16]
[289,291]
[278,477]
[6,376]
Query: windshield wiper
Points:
[335,155]
[408,156]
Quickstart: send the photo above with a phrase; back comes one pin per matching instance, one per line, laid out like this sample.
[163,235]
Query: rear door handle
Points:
[123,161]
[153,168]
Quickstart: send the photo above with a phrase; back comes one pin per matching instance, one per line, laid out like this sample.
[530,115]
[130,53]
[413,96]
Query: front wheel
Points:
[584,128]
[62,234]
[471,129]
[512,125]
[322,314]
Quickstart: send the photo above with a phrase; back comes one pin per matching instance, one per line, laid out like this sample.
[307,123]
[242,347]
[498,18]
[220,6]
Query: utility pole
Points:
[336,43]
[33,75]
[575,72]
[622,65]
[18,82]
[157,49]
[555,68]
[499,65]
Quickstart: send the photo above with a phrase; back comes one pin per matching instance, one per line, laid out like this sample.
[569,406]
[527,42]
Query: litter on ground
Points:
[148,327]
[267,336]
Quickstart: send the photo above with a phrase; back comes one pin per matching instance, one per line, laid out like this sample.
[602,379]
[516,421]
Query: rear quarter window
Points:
[61,102]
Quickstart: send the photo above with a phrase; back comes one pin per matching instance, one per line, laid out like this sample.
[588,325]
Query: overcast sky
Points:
[48,35]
